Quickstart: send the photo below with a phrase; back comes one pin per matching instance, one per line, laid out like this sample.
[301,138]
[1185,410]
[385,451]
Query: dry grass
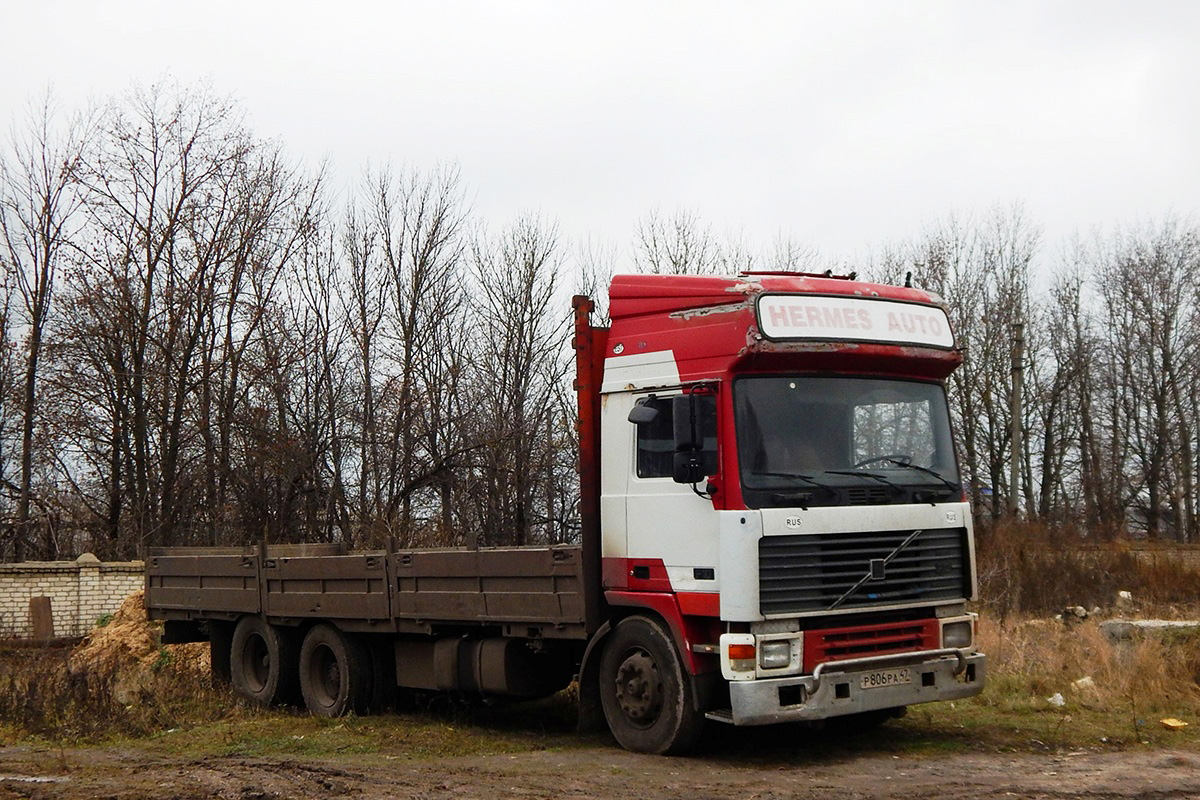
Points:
[1030,568]
[1028,573]
[1035,658]
[118,682]
[42,696]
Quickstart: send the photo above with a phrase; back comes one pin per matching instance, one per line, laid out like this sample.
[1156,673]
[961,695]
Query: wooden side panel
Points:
[330,587]
[503,585]
[223,581]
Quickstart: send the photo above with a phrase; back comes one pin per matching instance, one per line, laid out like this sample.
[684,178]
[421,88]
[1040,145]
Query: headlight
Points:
[956,634]
[775,655]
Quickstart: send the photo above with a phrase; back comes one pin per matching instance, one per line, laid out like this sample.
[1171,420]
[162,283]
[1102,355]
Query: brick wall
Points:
[80,592]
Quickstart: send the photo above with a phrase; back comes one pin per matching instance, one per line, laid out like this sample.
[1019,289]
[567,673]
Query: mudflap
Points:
[591,714]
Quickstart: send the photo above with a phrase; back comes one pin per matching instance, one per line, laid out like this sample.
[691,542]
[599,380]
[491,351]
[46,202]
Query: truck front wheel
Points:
[646,694]
[262,662]
[335,672]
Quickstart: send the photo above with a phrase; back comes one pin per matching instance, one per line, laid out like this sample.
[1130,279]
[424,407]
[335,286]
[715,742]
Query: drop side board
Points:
[521,591]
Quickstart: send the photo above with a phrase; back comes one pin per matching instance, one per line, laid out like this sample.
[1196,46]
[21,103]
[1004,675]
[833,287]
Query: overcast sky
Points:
[841,124]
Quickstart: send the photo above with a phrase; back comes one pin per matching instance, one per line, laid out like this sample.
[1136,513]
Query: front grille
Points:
[810,572]
[837,644]
[868,495]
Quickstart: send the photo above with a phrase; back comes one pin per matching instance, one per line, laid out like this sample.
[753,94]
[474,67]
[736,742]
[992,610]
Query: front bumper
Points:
[834,689]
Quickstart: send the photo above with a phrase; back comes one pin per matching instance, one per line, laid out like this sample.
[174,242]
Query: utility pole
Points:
[1014,467]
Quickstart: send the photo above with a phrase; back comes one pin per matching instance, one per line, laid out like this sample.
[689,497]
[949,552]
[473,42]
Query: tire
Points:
[335,673]
[262,662]
[645,692]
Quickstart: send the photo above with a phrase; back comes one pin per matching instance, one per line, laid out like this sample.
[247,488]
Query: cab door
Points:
[668,520]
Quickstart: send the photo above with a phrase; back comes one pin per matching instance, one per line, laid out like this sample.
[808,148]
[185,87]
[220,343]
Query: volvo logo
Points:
[876,569]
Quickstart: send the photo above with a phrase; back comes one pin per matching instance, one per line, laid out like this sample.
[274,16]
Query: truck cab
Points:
[779,496]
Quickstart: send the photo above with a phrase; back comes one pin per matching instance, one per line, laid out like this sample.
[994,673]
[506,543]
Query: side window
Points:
[656,439]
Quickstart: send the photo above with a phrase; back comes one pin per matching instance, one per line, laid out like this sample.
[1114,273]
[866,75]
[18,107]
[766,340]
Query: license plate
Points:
[886,677]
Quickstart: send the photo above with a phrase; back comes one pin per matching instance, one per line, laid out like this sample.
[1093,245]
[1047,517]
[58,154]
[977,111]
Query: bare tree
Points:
[189,224]
[8,419]
[790,255]
[675,246]
[1148,282]
[595,264]
[523,355]
[39,199]
[982,269]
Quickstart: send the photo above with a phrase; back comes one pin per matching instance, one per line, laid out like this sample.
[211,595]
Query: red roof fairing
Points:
[709,323]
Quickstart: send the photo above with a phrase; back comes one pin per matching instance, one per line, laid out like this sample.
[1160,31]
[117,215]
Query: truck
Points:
[773,529]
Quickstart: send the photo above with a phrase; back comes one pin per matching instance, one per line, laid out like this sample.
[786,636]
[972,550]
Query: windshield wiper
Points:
[874,475]
[796,476]
[954,487]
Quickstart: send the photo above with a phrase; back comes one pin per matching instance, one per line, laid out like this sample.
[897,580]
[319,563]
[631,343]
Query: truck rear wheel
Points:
[262,662]
[335,672]
[646,694]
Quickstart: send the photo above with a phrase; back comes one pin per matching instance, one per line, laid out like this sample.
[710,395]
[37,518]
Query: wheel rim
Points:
[326,676]
[256,660]
[639,688]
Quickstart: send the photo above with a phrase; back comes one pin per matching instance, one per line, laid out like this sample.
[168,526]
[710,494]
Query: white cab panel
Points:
[628,372]
[616,456]
[843,519]
[740,532]
[661,519]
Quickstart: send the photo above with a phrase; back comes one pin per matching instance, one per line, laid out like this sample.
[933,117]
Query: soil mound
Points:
[129,650]
[128,639]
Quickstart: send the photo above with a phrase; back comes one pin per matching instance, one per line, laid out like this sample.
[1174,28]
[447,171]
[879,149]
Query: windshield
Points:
[843,441]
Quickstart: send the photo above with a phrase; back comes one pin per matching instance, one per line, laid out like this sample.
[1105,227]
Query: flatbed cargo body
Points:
[530,591]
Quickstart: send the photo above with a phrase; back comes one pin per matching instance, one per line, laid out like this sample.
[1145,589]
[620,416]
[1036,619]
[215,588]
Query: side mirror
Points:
[688,467]
[644,411]
[683,410]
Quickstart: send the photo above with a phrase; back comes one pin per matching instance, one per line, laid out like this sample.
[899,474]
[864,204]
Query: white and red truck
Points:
[773,529]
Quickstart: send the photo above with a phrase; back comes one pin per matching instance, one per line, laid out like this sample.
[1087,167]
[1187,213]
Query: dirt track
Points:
[598,773]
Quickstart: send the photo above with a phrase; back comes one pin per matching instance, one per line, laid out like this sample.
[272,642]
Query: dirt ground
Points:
[597,772]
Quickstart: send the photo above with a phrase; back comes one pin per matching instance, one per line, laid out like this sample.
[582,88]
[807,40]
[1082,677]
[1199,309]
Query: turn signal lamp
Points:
[738,656]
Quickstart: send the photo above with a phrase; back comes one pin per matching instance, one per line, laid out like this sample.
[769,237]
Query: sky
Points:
[842,125]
